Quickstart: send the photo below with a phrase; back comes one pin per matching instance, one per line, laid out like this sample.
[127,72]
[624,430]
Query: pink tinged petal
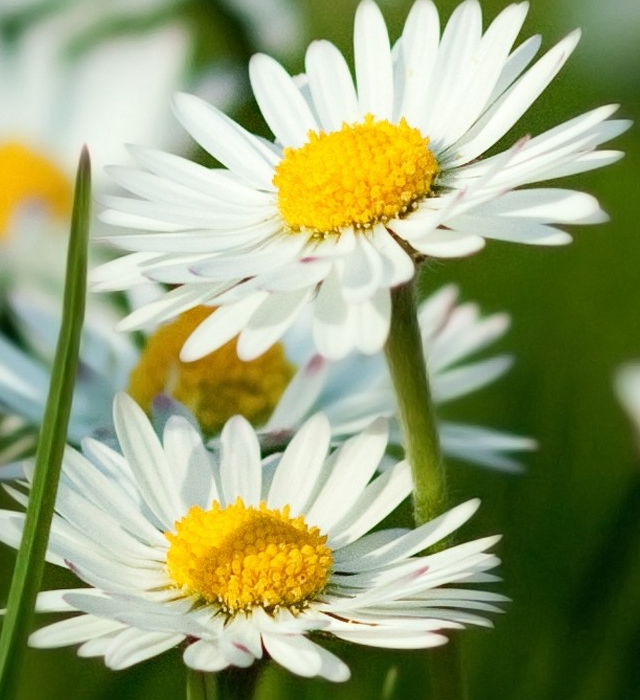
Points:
[133,646]
[219,328]
[419,48]
[298,473]
[374,318]
[398,638]
[191,462]
[515,102]
[300,395]
[267,325]
[211,182]
[74,630]
[379,498]
[372,55]
[332,90]
[240,467]
[236,653]
[304,658]
[205,656]
[353,465]
[233,146]
[283,107]
[460,41]
[471,101]
[412,542]
[143,451]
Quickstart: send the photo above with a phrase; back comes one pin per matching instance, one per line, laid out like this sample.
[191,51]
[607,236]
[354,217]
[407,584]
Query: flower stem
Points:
[405,358]
[201,686]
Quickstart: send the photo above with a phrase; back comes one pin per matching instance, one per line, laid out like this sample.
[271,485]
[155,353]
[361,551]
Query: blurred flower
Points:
[359,186]
[155,532]
[276,392]
[627,385]
[114,92]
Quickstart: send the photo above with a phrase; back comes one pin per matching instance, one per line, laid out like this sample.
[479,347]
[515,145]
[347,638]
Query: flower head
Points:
[361,183]
[234,557]
[276,392]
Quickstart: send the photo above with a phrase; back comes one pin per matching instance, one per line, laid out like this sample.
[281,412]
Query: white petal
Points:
[240,468]
[205,656]
[297,474]
[145,455]
[133,646]
[73,630]
[280,102]
[234,147]
[219,328]
[332,89]
[372,55]
[304,658]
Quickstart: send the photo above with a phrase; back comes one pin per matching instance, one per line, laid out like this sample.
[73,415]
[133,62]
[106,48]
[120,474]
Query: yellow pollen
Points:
[361,175]
[245,557]
[27,177]
[214,388]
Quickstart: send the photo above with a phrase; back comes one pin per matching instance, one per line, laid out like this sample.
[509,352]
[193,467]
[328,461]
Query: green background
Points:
[571,525]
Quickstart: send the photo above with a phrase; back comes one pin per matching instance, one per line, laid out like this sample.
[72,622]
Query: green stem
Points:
[405,358]
[201,686]
[230,684]
[30,560]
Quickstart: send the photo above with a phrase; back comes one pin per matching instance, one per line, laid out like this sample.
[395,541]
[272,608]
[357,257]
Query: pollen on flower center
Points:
[363,174]
[244,557]
[214,388]
[26,177]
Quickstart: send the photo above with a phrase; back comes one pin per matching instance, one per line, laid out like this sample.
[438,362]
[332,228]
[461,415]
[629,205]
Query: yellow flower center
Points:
[244,557]
[25,177]
[214,388]
[361,175]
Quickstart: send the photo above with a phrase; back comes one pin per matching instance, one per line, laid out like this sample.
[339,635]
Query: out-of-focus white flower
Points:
[277,392]
[361,182]
[114,93]
[235,557]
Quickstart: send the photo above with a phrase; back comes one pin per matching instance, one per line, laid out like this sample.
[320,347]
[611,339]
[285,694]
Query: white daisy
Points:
[155,532]
[277,392]
[51,106]
[359,186]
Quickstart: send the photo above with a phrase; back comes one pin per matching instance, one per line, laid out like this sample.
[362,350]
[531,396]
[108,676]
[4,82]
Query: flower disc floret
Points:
[215,387]
[241,557]
[363,174]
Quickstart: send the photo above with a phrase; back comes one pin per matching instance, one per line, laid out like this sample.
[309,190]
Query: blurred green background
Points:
[571,522]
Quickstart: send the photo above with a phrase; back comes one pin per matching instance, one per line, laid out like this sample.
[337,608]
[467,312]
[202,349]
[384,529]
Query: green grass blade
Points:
[30,560]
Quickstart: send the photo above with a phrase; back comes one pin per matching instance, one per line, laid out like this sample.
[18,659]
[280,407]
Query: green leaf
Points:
[30,560]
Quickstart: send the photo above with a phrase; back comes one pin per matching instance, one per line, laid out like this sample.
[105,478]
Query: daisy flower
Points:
[235,558]
[51,106]
[362,182]
[276,392]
